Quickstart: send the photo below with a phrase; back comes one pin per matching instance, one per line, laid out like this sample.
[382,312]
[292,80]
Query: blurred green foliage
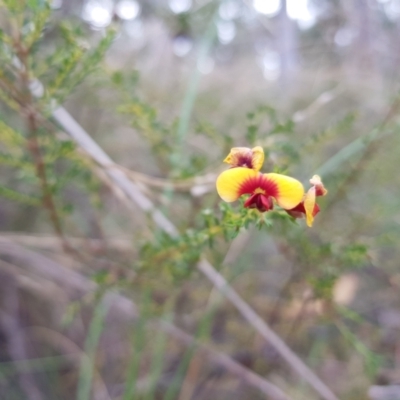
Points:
[42,64]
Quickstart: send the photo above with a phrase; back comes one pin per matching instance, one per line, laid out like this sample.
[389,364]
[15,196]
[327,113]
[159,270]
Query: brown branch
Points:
[48,201]
[27,109]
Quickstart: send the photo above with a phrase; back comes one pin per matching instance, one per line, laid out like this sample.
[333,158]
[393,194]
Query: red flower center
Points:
[259,185]
[260,201]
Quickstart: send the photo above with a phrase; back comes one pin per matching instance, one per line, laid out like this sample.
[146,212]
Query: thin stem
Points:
[33,142]
[48,201]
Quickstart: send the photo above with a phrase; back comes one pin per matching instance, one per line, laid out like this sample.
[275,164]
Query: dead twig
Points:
[183,185]
[53,242]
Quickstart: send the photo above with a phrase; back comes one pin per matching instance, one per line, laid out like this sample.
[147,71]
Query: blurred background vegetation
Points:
[98,289]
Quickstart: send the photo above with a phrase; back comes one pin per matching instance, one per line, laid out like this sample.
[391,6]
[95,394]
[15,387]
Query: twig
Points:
[48,201]
[51,242]
[182,185]
[126,309]
[134,194]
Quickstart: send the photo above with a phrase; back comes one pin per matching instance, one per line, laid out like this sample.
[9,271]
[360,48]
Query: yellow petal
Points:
[309,204]
[230,181]
[289,191]
[257,159]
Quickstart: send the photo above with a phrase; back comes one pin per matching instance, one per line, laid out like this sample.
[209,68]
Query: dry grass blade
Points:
[133,193]
[45,242]
[182,185]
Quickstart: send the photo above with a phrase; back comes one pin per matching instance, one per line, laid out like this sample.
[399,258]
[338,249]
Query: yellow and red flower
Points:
[308,206]
[244,178]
